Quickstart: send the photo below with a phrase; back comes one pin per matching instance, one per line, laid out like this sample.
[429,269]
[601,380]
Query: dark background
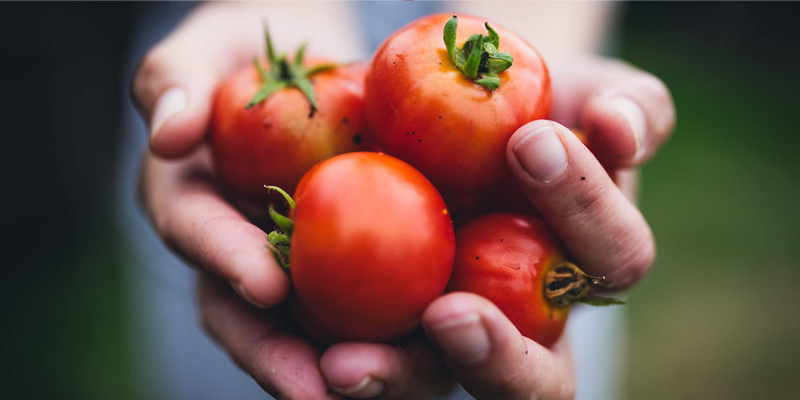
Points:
[716,318]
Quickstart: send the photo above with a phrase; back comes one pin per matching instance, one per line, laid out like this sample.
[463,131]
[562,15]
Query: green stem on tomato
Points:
[566,284]
[281,238]
[283,74]
[478,59]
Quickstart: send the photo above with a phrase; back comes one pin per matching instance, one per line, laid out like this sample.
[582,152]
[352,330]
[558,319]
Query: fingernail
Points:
[170,103]
[462,339]
[541,154]
[635,116]
[368,387]
[238,287]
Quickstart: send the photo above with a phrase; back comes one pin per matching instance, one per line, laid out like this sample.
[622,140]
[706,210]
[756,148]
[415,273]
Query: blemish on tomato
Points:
[444,211]
[583,178]
[357,139]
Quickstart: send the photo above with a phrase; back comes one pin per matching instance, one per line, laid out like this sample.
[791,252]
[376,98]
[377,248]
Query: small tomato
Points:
[370,246]
[271,125]
[450,111]
[516,262]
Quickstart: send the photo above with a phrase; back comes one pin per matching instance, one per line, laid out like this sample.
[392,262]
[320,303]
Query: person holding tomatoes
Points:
[587,198]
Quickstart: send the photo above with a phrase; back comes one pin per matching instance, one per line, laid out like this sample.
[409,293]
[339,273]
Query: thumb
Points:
[489,356]
[174,84]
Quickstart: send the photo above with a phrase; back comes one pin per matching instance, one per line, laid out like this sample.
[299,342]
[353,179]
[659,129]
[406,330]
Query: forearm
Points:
[557,30]
[330,28]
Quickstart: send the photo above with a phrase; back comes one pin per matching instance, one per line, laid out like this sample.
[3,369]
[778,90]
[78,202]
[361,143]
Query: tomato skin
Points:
[424,111]
[372,246]
[276,141]
[504,258]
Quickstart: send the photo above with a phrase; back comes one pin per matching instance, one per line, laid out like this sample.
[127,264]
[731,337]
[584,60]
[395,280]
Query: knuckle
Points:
[507,385]
[589,202]
[148,75]
[205,238]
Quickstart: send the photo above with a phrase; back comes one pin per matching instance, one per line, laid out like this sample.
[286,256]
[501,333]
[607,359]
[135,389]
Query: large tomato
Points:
[451,125]
[277,139]
[516,262]
[371,246]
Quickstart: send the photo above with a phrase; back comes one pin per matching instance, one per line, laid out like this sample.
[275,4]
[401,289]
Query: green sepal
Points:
[283,74]
[601,301]
[305,86]
[474,58]
[494,38]
[450,41]
[499,62]
[267,90]
[478,58]
[489,82]
[285,224]
[282,260]
[289,199]
[276,238]
[298,57]
[281,239]
[260,70]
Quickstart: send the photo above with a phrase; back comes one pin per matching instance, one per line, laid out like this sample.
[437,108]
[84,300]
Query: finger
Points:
[193,220]
[262,343]
[627,113]
[375,370]
[488,355]
[174,84]
[603,231]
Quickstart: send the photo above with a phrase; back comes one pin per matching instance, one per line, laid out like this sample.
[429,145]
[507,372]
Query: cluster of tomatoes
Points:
[375,154]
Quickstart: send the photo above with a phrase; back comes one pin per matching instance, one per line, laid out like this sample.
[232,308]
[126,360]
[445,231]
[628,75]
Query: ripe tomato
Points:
[424,110]
[516,262]
[371,246]
[281,137]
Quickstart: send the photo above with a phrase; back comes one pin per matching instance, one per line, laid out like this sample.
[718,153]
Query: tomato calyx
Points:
[566,284]
[478,59]
[281,238]
[283,74]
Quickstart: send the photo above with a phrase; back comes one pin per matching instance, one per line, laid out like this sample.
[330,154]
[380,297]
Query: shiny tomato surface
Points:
[276,141]
[504,257]
[424,111]
[372,246]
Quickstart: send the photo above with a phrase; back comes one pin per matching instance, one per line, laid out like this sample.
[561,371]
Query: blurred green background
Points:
[715,319]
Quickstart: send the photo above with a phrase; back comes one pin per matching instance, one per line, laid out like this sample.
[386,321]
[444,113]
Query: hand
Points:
[627,114]
[173,88]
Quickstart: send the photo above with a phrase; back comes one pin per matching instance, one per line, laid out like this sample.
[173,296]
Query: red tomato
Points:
[425,111]
[516,262]
[276,141]
[372,246]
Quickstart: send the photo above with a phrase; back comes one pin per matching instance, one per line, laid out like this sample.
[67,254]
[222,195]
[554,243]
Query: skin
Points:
[504,258]
[276,141]
[423,110]
[193,218]
[361,269]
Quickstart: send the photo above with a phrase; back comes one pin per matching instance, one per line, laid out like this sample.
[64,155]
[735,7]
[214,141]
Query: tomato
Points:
[371,246]
[517,262]
[281,137]
[424,110]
